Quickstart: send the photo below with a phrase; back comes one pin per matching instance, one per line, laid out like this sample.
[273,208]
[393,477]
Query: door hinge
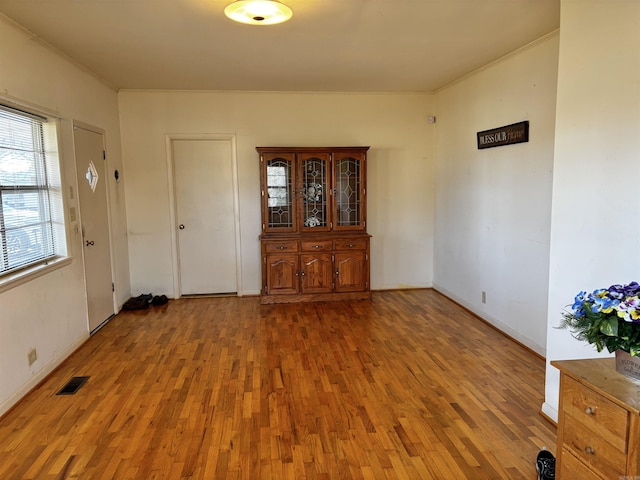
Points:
[113,287]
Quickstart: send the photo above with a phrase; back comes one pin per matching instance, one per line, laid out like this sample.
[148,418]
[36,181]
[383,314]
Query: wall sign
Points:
[507,135]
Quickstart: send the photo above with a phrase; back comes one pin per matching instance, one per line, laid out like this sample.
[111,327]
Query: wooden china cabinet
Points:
[314,241]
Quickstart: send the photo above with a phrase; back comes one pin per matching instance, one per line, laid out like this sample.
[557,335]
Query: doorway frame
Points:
[175,257]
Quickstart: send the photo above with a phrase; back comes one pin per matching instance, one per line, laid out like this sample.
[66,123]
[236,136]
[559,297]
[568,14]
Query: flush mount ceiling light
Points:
[258,12]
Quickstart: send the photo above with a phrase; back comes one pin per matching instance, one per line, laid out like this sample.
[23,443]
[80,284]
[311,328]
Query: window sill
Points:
[12,280]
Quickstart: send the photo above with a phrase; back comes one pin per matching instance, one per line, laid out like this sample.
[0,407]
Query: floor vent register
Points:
[72,386]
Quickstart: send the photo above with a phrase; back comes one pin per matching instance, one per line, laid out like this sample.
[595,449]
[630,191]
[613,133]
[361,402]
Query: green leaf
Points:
[609,326]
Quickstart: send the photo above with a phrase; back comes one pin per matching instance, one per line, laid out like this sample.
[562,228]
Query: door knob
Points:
[181,226]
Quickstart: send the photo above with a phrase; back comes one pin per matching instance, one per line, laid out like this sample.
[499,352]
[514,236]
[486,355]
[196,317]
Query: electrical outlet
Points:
[484,297]
[32,356]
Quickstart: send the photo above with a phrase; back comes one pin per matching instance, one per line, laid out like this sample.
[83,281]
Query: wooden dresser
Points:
[598,422]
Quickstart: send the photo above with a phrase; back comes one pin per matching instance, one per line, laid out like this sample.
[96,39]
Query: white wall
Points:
[400,171]
[493,206]
[595,232]
[49,312]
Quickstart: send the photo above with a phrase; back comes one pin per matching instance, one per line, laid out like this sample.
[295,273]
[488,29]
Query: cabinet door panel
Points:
[349,211]
[314,192]
[317,273]
[282,274]
[278,192]
[351,272]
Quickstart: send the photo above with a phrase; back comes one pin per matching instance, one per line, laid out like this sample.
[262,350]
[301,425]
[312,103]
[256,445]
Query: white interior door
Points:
[92,197]
[205,216]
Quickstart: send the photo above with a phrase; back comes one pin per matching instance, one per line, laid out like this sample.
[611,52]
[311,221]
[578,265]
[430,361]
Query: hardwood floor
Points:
[408,386]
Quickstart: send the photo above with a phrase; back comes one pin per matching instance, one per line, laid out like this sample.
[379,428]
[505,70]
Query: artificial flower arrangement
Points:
[607,318]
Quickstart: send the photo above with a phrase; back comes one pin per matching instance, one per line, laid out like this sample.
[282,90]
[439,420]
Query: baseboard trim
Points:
[538,350]
[40,376]
[550,413]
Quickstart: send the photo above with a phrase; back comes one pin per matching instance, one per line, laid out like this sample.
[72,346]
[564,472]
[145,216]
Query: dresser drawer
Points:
[318,246]
[607,420]
[570,468]
[351,244]
[589,447]
[273,247]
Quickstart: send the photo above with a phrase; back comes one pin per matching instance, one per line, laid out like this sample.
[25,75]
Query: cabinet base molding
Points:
[320,297]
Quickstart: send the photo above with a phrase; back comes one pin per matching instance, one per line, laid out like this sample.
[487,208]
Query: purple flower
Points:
[621,291]
[629,309]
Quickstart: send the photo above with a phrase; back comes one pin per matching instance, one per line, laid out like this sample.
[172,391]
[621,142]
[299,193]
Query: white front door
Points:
[92,196]
[205,216]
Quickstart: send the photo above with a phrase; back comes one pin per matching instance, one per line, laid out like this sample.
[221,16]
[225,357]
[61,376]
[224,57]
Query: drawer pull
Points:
[282,247]
[351,245]
[317,246]
[589,451]
[590,411]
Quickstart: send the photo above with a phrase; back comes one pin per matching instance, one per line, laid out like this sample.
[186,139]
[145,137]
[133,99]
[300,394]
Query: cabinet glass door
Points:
[349,191]
[279,179]
[315,196]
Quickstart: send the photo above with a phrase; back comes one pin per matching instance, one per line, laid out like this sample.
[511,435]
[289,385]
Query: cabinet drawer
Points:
[593,450]
[573,469]
[601,416]
[319,246]
[273,247]
[351,244]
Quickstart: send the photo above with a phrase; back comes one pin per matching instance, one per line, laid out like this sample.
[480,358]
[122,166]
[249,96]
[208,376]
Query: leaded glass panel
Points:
[314,192]
[279,193]
[348,207]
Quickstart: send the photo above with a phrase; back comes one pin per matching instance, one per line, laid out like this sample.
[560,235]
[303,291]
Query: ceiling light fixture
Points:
[258,12]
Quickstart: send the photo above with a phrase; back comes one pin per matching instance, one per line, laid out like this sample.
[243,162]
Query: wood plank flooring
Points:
[408,386]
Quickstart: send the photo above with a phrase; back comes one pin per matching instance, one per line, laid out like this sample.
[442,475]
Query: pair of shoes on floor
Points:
[142,301]
[546,465]
[138,303]
[159,300]
[145,297]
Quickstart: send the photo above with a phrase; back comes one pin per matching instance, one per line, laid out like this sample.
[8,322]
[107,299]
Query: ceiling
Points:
[328,45]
